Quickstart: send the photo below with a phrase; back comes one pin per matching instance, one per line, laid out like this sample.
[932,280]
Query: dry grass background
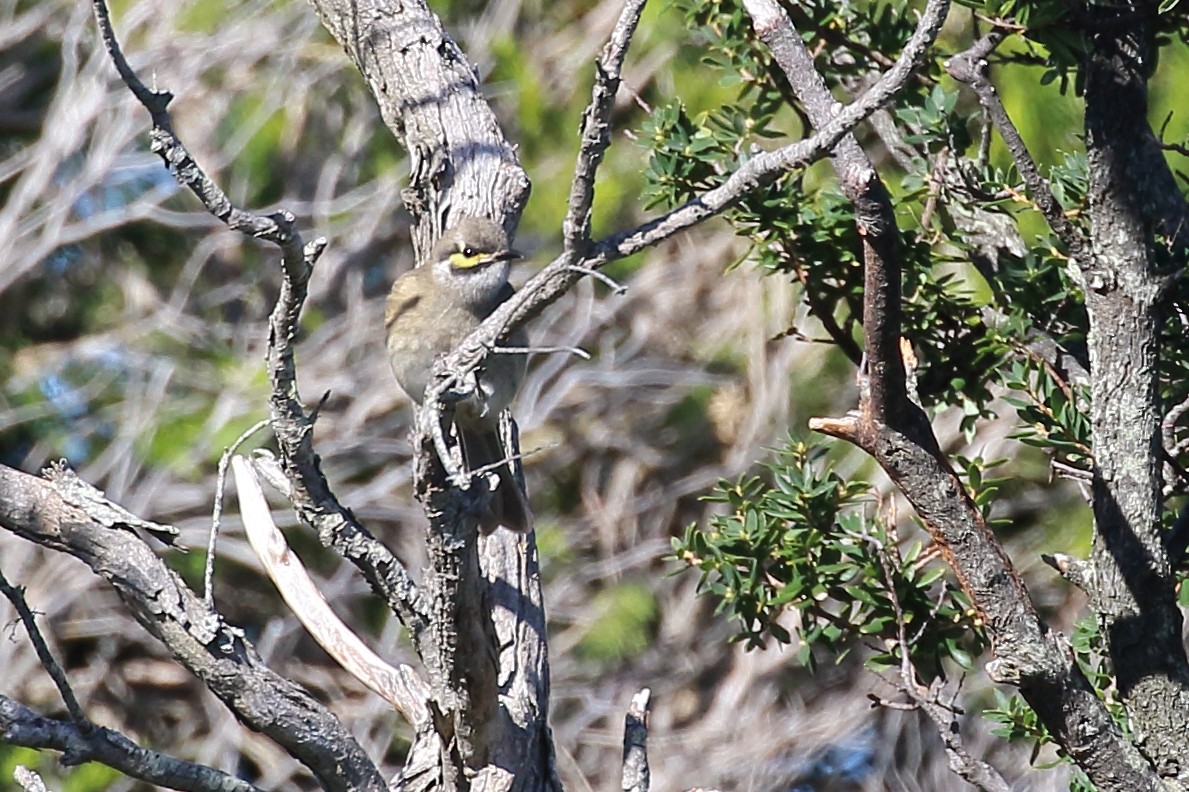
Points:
[687,385]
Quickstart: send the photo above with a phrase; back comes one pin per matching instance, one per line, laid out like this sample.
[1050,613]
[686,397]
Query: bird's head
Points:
[473,257]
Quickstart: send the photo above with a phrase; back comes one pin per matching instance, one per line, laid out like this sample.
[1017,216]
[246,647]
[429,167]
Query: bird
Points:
[430,310]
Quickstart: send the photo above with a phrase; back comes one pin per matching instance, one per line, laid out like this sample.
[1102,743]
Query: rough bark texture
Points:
[196,636]
[1027,652]
[1134,589]
[861,184]
[429,96]
[485,648]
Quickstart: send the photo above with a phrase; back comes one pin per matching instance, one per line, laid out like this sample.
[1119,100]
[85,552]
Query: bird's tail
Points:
[509,506]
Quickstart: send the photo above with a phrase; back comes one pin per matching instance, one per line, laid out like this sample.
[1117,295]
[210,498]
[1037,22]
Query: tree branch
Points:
[483,640]
[445,508]
[896,433]
[83,741]
[45,512]
[549,284]
[558,276]
[929,699]
[874,215]
[1028,653]
[429,96]
[970,67]
[311,494]
[1127,278]
[596,128]
[17,597]
[401,686]
[636,776]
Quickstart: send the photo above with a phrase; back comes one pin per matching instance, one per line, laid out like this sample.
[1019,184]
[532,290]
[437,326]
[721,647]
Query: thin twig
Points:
[1168,427]
[276,228]
[311,494]
[540,350]
[596,128]
[16,596]
[970,67]
[1071,472]
[208,574]
[602,277]
[1077,571]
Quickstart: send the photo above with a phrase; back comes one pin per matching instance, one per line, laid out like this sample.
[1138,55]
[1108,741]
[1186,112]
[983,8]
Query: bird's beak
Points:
[505,255]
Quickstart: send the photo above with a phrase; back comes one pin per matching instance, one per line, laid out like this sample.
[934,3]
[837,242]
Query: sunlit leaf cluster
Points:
[799,539]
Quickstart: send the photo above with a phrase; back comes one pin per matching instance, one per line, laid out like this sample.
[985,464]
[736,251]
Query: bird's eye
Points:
[469,252]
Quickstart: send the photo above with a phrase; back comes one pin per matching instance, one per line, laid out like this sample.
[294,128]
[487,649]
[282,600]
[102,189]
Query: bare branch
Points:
[208,574]
[601,277]
[276,228]
[82,741]
[449,540]
[1077,571]
[636,776]
[401,686]
[970,67]
[29,780]
[1137,251]
[577,352]
[17,597]
[429,96]
[459,643]
[311,494]
[596,128]
[197,637]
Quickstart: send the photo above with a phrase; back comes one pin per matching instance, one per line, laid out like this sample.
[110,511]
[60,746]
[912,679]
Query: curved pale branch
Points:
[401,686]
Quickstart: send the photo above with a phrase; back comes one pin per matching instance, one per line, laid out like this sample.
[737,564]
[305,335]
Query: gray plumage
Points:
[430,310]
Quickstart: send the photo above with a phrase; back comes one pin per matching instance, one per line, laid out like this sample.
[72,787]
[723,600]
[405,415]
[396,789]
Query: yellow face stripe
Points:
[463,261]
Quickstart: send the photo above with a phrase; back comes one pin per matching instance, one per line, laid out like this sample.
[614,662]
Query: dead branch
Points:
[636,777]
[596,127]
[29,780]
[46,512]
[401,687]
[311,494]
[83,741]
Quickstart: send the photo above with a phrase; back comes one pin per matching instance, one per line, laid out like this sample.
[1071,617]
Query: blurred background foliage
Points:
[132,333]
